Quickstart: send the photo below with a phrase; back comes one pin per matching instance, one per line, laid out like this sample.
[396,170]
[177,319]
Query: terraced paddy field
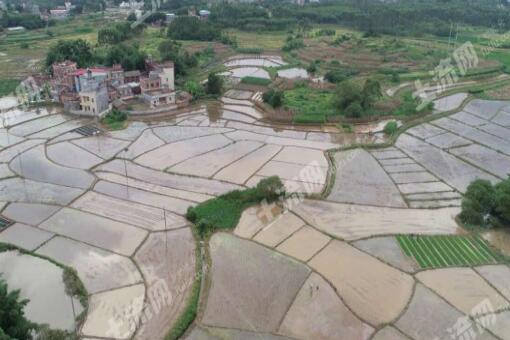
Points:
[449,250]
[330,265]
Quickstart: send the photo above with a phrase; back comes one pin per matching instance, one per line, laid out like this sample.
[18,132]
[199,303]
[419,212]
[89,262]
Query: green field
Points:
[448,251]
[256,81]
[7,86]
[502,56]
[311,105]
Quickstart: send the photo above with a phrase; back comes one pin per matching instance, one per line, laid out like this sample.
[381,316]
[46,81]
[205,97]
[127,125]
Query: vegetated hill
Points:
[404,17]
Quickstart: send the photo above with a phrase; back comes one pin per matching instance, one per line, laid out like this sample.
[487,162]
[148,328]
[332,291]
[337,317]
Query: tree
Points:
[372,88]
[478,203]
[214,84]
[191,28]
[347,93]
[502,202]
[172,50]
[390,128]
[12,317]
[131,17]
[76,50]
[194,88]
[273,97]
[312,67]
[354,110]
[129,56]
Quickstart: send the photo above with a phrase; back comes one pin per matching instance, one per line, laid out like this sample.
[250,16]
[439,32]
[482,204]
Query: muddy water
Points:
[499,238]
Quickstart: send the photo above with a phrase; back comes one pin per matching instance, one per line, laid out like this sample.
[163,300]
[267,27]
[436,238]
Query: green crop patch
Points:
[449,250]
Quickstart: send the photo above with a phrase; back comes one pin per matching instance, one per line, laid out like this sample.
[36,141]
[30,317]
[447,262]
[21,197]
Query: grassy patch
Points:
[310,105]
[249,50]
[224,212]
[258,40]
[502,56]
[449,250]
[8,86]
[74,286]
[115,120]
[391,128]
[501,93]
[256,81]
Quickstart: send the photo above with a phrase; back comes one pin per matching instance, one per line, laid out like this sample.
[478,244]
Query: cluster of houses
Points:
[92,91]
[61,12]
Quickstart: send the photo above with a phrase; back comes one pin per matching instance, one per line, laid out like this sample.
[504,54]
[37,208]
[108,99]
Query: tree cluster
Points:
[355,101]
[273,97]
[115,33]
[13,324]
[183,60]
[404,17]
[486,205]
[80,51]
[29,21]
[191,28]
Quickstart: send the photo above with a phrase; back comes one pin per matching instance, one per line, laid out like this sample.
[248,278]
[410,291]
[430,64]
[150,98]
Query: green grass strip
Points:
[480,256]
[423,248]
[466,255]
[433,248]
[453,259]
[422,260]
[476,252]
[464,258]
[403,245]
[441,251]
[482,244]
[423,251]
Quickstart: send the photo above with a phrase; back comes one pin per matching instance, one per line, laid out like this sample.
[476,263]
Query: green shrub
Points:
[114,119]
[409,106]
[194,88]
[309,119]
[269,188]
[390,128]
[256,81]
[13,324]
[273,97]
[325,32]
[354,110]
[341,39]
[214,84]
[347,128]
[502,202]
[224,212]
[339,75]
[312,67]
[395,77]
[8,86]
[293,44]
[478,203]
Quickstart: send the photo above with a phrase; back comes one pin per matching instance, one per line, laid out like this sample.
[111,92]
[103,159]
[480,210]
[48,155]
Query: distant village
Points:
[63,12]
